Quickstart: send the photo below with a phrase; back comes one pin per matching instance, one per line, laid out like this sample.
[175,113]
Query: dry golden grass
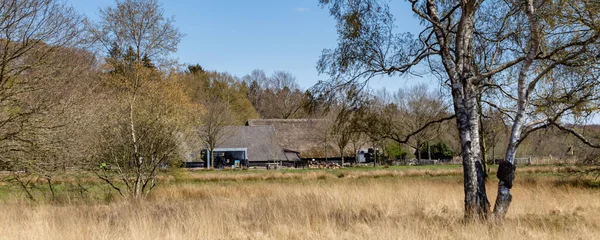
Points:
[314,207]
[218,176]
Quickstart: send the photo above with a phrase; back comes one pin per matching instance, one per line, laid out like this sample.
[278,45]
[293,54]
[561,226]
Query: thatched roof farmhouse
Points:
[268,140]
[306,136]
[260,142]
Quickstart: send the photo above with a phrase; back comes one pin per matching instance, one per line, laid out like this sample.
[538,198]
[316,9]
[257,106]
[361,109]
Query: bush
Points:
[438,151]
[395,151]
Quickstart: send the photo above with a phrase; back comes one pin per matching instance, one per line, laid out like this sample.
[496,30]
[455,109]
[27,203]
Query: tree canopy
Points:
[520,57]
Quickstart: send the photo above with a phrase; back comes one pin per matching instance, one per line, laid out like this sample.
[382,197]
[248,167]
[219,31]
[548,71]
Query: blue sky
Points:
[238,36]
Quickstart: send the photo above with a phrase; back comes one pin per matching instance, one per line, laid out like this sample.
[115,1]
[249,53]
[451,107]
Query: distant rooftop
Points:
[306,136]
[260,140]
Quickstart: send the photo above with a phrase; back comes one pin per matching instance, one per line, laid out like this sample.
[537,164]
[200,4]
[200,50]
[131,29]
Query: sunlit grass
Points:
[377,204]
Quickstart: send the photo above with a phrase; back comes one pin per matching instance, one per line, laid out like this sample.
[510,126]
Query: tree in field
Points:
[344,129]
[38,75]
[412,117]
[214,122]
[536,58]
[141,138]
[357,140]
[417,107]
[223,102]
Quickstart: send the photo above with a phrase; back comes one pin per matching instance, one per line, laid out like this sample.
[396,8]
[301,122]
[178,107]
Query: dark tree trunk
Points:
[482,143]
[506,176]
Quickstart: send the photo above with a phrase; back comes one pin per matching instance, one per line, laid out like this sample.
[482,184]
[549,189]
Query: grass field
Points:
[392,203]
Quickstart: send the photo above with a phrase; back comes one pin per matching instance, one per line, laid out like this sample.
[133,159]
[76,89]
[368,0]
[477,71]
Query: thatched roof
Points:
[307,136]
[270,139]
[260,140]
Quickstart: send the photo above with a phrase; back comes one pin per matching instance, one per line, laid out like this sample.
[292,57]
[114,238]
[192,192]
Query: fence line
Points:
[526,160]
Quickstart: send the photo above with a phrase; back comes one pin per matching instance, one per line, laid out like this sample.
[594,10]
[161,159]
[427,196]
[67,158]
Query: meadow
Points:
[395,203]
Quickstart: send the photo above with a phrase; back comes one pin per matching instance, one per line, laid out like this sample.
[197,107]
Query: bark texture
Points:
[477,205]
[506,176]
[506,171]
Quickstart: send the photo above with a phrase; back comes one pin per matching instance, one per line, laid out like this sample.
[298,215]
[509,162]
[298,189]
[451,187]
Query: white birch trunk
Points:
[476,201]
[506,170]
[137,157]
[465,94]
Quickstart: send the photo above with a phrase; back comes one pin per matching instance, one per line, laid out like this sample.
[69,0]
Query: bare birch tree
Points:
[143,113]
[139,25]
[470,45]
[133,34]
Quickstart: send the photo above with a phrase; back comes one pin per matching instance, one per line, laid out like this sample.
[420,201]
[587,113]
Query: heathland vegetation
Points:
[384,203]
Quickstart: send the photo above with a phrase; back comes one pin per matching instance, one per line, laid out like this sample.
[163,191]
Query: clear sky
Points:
[238,36]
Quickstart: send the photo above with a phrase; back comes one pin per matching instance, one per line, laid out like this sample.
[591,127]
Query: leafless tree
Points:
[494,132]
[256,82]
[139,25]
[284,103]
[278,96]
[554,76]
[37,42]
[345,127]
[142,113]
[412,117]
[341,130]
[511,46]
[258,77]
[282,79]
[213,126]
[417,107]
